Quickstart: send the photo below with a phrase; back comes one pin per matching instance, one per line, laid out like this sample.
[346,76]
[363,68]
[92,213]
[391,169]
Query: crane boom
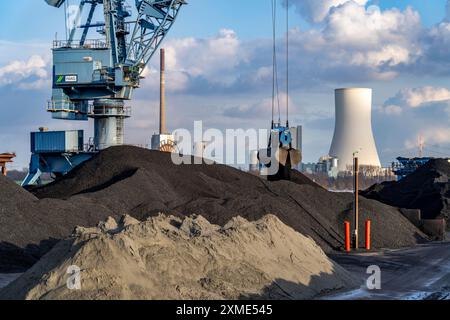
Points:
[55,3]
[155,20]
[92,78]
[109,67]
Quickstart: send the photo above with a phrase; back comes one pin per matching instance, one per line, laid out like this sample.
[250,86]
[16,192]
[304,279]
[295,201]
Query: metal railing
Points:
[63,106]
[88,44]
[91,147]
[108,111]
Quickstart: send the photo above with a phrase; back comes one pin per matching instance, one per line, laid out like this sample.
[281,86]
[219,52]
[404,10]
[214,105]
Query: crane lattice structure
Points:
[93,78]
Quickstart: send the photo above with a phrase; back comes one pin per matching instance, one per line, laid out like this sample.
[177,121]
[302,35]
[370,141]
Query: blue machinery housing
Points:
[55,152]
[94,78]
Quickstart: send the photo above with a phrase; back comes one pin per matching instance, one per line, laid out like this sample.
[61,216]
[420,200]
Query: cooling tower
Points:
[353,131]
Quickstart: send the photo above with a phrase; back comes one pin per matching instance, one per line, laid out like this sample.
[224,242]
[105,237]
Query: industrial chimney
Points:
[353,130]
[163,141]
[162,108]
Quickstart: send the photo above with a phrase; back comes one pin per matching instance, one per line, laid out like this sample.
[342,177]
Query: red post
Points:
[347,237]
[368,235]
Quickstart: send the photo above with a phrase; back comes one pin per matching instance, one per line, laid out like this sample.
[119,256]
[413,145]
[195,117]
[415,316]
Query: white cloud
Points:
[213,59]
[262,109]
[431,136]
[317,10]
[418,97]
[39,84]
[373,37]
[356,43]
[392,109]
[354,25]
[424,112]
[263,74]
[30,74]
[353,44]
[390,55]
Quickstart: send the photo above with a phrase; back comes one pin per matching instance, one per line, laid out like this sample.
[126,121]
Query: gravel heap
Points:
[171,258]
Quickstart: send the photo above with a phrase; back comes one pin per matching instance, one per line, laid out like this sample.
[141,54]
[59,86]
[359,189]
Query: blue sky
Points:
[219,55]
[33,20]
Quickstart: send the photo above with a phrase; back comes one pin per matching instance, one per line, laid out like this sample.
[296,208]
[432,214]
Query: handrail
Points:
[88,44]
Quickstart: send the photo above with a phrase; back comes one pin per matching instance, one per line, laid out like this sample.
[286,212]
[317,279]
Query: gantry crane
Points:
[93,78]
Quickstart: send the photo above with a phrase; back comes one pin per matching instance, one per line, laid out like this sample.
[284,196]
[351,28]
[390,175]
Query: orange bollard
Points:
[368,235]
[347,237]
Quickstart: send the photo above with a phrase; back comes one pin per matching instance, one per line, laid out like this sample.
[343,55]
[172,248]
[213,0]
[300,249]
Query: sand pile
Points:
[427,189]
[172,258]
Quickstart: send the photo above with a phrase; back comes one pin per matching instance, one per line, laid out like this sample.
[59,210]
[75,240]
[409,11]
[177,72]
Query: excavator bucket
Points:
[282,156]
[295,156]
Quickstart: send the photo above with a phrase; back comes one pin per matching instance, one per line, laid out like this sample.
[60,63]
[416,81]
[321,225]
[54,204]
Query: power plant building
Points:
[353,129]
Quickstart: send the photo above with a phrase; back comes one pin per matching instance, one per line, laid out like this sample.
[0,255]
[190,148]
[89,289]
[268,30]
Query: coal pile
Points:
[301,179]
[427,189]
[30,227]
[13,203]
[143,183]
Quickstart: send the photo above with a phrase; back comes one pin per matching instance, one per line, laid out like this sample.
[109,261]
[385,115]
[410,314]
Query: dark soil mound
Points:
[299,178]
[427,189]
[142,183]
[30,227]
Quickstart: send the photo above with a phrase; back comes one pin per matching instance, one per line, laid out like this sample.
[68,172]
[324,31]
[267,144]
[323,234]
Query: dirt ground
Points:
[421,273]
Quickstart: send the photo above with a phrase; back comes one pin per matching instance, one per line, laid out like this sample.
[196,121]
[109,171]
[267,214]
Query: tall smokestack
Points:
[162,119]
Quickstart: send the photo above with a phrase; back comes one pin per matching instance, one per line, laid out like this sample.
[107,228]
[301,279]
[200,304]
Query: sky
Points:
[219,71]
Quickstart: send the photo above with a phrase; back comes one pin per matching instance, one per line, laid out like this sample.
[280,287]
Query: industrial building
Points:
[353,129]
[325,166]
[328,165]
